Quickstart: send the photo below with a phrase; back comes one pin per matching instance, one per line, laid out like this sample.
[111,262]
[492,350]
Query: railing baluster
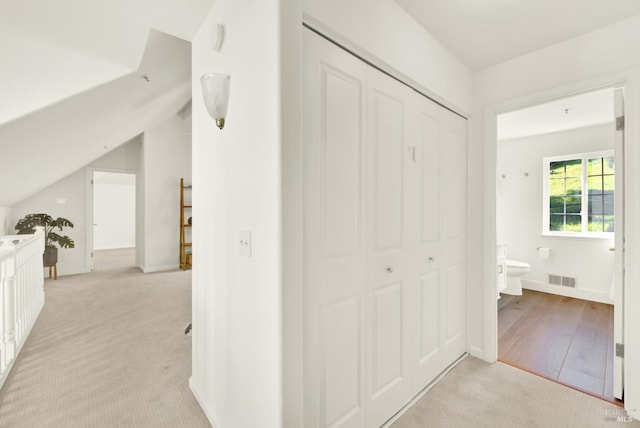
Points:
[21,293]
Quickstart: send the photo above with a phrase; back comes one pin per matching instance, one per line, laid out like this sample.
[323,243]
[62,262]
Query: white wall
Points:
[596,59]
[4,221]
[67,198]
[237,300]
[114,210]
[519,214]
[167,158]
[292,213]
[383,32]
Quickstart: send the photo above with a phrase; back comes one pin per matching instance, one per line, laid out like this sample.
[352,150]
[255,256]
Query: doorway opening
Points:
[114,220]
[559,227]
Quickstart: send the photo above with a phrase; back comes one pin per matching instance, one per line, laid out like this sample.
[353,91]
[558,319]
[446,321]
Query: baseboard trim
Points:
[159,268]
[424,391]
[576,293]
[129,247]
[208,412]
[477,352]
[64,272]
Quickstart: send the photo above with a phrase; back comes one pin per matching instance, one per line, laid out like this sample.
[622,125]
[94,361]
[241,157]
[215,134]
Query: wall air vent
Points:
[565,281]
[555,279]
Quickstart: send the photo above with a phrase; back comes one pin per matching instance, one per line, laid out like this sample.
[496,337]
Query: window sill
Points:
[591,236]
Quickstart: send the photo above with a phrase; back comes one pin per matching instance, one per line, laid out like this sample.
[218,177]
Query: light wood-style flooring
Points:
[564,339]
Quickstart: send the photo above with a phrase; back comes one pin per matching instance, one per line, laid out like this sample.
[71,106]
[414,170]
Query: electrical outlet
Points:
[245,243]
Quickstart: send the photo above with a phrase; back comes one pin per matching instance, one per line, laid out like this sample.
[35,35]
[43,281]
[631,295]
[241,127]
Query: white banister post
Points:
[9,333]
[21,293]
[3,280]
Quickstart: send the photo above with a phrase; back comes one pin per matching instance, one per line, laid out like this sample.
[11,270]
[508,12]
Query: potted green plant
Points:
[27,224]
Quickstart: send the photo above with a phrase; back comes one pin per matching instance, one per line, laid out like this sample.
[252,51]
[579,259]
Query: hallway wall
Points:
[67,198]
[167,158]
[4,220]
[520,215]
[575,65]
[237,300]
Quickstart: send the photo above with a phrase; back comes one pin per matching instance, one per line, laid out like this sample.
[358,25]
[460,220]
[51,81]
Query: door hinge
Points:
[620,123]
[620,350]
[92,254]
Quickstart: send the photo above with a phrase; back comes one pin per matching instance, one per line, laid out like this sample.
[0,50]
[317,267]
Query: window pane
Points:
[573,223]
[609,182]
[596,223]
[556,187]
[595,185]
[608,223]
[608,207]
[573,168]
[595,205]
[595,166]
[567,186]
[556,223]
[573,186]
[556,204]
[608,165]
[573,204]
[556,169]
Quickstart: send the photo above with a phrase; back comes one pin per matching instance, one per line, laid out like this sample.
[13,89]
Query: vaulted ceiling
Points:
[71,79]
[482,33]
[71,70]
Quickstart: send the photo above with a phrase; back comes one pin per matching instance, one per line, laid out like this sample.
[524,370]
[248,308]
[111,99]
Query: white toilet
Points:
[515,270]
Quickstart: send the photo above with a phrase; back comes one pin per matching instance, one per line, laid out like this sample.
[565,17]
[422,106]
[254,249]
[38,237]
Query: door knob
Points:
[390,270]
[431,259]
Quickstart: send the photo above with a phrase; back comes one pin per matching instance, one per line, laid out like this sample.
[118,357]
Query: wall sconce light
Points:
[215,91]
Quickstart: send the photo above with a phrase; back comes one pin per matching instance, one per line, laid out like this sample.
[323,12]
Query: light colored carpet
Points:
[476,394]
[108,350]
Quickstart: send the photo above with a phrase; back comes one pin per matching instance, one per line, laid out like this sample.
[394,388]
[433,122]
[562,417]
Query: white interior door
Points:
[384,240]
[618,283]
[453,140]
[428,355]
[391,287]
[334,242]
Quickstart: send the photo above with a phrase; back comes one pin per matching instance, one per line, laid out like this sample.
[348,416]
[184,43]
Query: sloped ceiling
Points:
[51,50]
[488,32]
[72,86]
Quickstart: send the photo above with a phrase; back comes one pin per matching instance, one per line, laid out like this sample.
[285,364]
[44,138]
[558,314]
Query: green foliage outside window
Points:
[567,190]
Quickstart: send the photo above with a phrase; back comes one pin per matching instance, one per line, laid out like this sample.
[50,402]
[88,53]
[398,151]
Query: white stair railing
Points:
[21,293]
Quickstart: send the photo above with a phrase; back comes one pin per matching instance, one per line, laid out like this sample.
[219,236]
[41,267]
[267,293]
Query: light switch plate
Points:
[245,243]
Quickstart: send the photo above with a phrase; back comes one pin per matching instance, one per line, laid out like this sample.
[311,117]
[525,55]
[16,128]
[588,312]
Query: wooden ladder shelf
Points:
[185,224]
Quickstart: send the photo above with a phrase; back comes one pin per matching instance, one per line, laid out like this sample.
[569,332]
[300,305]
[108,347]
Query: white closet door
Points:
[429,326]
[334,244]
[454,229]
[390,288]
[384,240]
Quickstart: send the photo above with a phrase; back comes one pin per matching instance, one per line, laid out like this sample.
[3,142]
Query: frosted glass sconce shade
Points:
[215,91]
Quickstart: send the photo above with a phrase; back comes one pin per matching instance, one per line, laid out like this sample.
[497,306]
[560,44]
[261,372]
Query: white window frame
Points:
[585,196]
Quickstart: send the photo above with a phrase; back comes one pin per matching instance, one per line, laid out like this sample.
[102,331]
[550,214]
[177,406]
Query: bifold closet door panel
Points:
[334,242]
[454,173]
[390,287]
[428,355]
[384,240]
